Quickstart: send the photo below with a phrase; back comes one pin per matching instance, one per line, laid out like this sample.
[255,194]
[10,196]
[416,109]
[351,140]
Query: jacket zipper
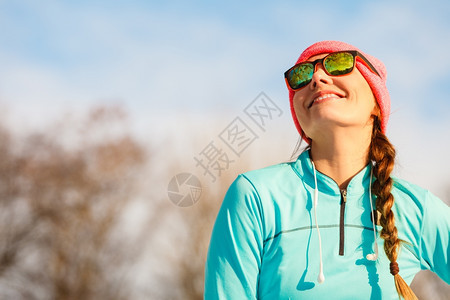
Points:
[341,222]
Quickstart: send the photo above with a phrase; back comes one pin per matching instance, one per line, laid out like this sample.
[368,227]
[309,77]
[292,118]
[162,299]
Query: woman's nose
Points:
[320,77]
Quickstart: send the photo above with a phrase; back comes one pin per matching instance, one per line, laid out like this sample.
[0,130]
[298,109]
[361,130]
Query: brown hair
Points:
[382,152]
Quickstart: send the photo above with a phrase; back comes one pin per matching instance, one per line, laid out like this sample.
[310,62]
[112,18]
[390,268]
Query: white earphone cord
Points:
[321,277]
[370,256]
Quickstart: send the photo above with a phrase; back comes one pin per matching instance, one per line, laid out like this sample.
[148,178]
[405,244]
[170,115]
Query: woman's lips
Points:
[324,95]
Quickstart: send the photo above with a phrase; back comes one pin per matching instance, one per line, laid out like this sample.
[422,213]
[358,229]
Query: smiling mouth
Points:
[323,97]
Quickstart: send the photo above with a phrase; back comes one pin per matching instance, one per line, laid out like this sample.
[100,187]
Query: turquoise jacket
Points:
[265,245]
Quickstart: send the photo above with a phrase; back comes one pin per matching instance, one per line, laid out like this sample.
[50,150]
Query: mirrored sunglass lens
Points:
[339,63]
[300,76]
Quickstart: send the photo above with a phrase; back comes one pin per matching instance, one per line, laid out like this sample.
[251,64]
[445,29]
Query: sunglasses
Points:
[335,64]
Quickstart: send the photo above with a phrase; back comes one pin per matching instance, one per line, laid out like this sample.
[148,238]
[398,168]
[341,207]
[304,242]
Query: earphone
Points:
[373,256]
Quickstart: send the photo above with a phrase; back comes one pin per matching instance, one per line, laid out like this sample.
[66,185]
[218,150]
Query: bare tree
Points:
[61,207]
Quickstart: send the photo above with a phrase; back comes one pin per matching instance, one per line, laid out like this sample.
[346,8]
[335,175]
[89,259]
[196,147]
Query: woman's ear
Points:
[376,112]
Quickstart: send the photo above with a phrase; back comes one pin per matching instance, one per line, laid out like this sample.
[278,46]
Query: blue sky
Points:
[150,54]
[162,58]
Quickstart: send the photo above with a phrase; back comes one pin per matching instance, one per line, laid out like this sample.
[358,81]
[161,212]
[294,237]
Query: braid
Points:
[382,152]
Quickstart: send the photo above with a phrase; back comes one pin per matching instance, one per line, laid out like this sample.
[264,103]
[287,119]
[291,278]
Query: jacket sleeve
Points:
[234,255]
[435,250]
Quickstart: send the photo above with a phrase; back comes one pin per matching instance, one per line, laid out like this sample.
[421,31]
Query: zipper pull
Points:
[344,195]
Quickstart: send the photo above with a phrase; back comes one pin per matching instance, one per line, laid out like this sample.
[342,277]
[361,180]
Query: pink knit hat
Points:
[377,84]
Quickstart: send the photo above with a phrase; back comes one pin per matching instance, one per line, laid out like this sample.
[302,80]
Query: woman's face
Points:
[329,102]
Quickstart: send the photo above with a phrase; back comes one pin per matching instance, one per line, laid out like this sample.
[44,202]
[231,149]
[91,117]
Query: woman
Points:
[304,230]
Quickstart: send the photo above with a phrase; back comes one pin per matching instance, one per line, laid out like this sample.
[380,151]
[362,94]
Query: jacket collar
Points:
[359,184]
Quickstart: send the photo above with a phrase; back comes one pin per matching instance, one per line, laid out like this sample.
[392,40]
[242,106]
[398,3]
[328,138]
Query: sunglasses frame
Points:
[354,53]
